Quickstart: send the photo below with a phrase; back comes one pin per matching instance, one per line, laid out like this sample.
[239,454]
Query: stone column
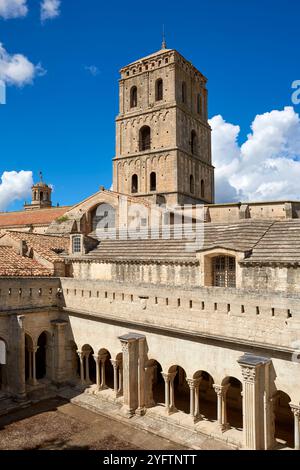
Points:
[87,367]
[166,378]
[296,411]
[58,356]
[254,426]
[197,398]
[120,389]
[131,376]
[172,391]
[116,367]
[141,409]
[103,358]
[16,357]
[33,352]
[81,358]
[194,398]
[221,391]
[98,380]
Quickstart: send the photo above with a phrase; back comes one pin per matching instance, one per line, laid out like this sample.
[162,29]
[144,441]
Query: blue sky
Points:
[63,124]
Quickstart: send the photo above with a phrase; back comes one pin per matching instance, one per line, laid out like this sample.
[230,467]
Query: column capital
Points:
[169,376]
[114,363]
[97,358]
[81,354]
[296,410]
[221,390]
[193,383]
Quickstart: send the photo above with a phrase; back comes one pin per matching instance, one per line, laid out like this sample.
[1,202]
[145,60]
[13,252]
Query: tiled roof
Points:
[12,264]
[31,217]
[47,246]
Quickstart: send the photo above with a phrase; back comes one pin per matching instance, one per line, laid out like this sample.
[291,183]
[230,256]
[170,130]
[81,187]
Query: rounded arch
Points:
[145,138]
[159,89]
[134,183]
[192,184]
[154,384]
[152,181]
[133,97]
[207,399]
[89,365]
[43,355]
[106,369]
[194,142]
[202,188]
[103,219]
[233,401]
[283,418]
[181,391]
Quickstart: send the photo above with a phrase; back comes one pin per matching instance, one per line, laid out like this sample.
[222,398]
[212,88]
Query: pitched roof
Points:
[12,264]
[31,217]
[48,246]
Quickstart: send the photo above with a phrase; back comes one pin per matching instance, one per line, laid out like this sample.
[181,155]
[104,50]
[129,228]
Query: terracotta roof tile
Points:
[12,264]
[49,247]
[31,217]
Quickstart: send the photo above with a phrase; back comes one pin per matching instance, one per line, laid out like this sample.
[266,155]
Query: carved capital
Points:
[249,373]
[296,410]
[221,390]
[193,383]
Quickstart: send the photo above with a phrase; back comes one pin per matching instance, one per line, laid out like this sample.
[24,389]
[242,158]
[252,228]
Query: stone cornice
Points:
[176,262]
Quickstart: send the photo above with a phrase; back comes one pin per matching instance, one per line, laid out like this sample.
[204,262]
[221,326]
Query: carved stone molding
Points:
[249,374]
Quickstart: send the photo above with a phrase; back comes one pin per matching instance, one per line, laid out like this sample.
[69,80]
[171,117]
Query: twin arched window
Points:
[145,138]
[153,181]
[134,184]
[159,92]
[133,97]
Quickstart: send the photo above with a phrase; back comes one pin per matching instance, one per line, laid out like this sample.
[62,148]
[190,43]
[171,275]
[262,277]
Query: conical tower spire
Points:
[163,44]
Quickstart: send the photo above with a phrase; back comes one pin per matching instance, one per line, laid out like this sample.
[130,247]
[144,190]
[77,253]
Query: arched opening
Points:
[133,97]
[181,389]
[192,184]
[207,402]
[183,92]
[41,195]
[145,138]
[3,377]
[159,90]
[234,402]
[202,189]
[284,419]
[89,365]
[134,183]
[103,220]
[153,181]
[199,103]
[155,385]
[224,271]
[42,356]
[106,372]
[193,142]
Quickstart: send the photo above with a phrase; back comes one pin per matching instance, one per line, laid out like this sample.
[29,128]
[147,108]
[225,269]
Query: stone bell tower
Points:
[41,196]
[163,139]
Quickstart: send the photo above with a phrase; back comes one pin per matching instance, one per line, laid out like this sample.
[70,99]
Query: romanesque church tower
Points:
[163,139]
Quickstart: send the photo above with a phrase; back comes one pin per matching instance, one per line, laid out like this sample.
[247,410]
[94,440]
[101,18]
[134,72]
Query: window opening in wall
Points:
[224,271]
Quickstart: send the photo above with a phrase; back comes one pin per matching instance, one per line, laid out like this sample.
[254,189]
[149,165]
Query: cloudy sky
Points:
[60,59]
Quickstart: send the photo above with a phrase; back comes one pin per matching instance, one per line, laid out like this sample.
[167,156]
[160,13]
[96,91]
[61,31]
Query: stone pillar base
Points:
[171,410]
[140,411]
[127,412]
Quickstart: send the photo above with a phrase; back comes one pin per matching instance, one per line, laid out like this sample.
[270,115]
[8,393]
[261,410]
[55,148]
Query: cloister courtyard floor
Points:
[56,424]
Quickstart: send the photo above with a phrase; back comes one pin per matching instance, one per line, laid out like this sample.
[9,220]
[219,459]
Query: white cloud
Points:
[50,9]
[92,69]
[13,8]
[17,69]
[14,186]
[266,166]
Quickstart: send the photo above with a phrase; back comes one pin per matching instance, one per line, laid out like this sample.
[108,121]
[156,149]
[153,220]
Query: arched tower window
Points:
[224,269]
[159,90]
[202,189]
[133,97]
[153,181]
[199,104]
[193,142]
[145,138]
[192,184]
[183,92]
[134,184]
